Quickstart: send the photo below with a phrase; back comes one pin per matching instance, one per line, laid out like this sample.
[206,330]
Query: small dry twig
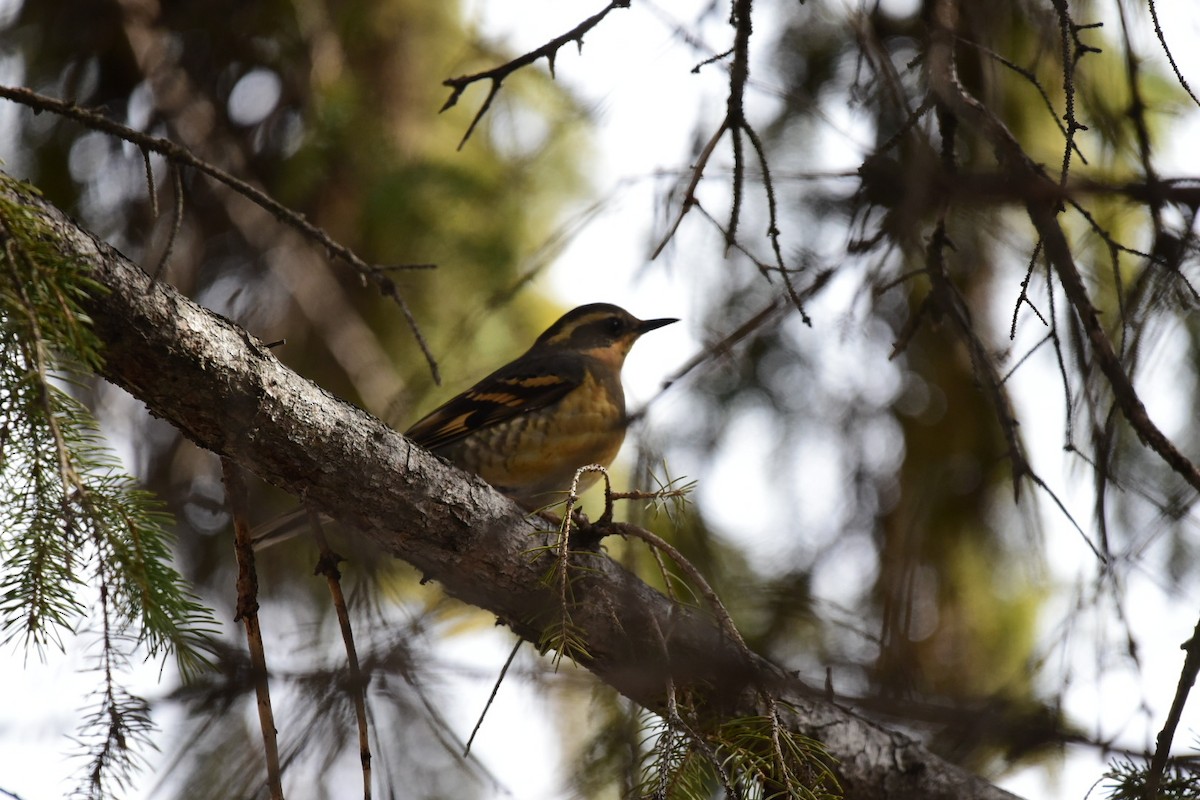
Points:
[247,614]
[496,75]
[327,565]
[1162,39]
[492,697]
[176,219]
[725,344]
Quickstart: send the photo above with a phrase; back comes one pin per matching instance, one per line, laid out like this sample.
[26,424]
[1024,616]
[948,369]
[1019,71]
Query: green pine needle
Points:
[71,522]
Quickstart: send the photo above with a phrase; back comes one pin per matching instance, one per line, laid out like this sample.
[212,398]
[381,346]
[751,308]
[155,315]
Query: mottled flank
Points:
[530,425]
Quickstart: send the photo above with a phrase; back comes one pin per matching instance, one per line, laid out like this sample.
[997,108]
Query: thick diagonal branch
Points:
[229,394]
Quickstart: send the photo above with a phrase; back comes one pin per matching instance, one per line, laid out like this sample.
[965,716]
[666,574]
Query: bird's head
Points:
[599,330]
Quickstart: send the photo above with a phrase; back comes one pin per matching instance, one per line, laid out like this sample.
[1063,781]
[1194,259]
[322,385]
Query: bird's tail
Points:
[284,527]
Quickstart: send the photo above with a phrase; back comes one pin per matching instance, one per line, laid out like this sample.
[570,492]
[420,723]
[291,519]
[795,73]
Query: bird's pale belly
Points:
[533,458]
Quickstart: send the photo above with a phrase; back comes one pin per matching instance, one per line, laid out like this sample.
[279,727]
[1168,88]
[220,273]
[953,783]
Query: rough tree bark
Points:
[229,394]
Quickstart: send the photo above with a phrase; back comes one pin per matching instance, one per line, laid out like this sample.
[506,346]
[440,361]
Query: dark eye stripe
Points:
[601,322]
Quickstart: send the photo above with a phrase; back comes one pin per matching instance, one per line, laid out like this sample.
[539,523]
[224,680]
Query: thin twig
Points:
[726,343]
[1162,39]
[711,60]
[327,565]
[605,525]
[763,267]
[247,614]
[706,590]
[773,223]
[909,122]
[1023,297]
[1069,416]
[735,114]
[789,779]
[1069,31]
[176,225]
[1187,679]
[492,697]
[180,155]
[1033,80]
[1137,113]
[735,124]
[1098,552]
[675,720]
[1020,361]
[496,75]
[562,562]
[151,191]
[689,194]
[951,302]
[1103,233]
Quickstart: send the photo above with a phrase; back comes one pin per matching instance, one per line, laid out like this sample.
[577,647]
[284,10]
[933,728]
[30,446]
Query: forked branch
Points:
[497,75]
[1043,213]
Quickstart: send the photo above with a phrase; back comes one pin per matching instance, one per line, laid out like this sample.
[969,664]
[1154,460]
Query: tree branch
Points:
[228,393]
[496,75]
[1043,213]
[1187,679]
[247,614]
[180,156]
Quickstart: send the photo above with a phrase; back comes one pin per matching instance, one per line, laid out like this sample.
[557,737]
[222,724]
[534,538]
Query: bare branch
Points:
[492,697]
[1162,39]
[725,344]
[689,194]
[327,565]
[735,114]
[953,306]
[1043,214]
[773,223]
[1069,34]
[176,221]
[151,190]
[496,75]
[735,124]
[1187,679]
[1033,80]
[247,614]
[1023,297]
[181,156]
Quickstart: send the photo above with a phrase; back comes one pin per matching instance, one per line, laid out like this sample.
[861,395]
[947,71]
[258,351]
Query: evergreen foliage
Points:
[79,542]
[1126,780]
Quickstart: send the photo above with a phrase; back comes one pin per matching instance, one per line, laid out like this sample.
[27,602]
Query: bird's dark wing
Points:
[520,387]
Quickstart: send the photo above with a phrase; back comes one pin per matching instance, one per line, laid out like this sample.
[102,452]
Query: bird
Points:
[529,426]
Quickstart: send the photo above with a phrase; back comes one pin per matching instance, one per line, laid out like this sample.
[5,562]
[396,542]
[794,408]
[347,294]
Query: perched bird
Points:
[528,426]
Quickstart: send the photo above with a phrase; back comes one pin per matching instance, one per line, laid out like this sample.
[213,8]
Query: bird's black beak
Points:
[646,325]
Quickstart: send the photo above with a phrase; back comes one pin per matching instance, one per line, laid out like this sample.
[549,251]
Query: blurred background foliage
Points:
[895,557]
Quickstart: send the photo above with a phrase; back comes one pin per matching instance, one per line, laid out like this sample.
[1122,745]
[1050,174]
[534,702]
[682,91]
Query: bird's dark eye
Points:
[614,325]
